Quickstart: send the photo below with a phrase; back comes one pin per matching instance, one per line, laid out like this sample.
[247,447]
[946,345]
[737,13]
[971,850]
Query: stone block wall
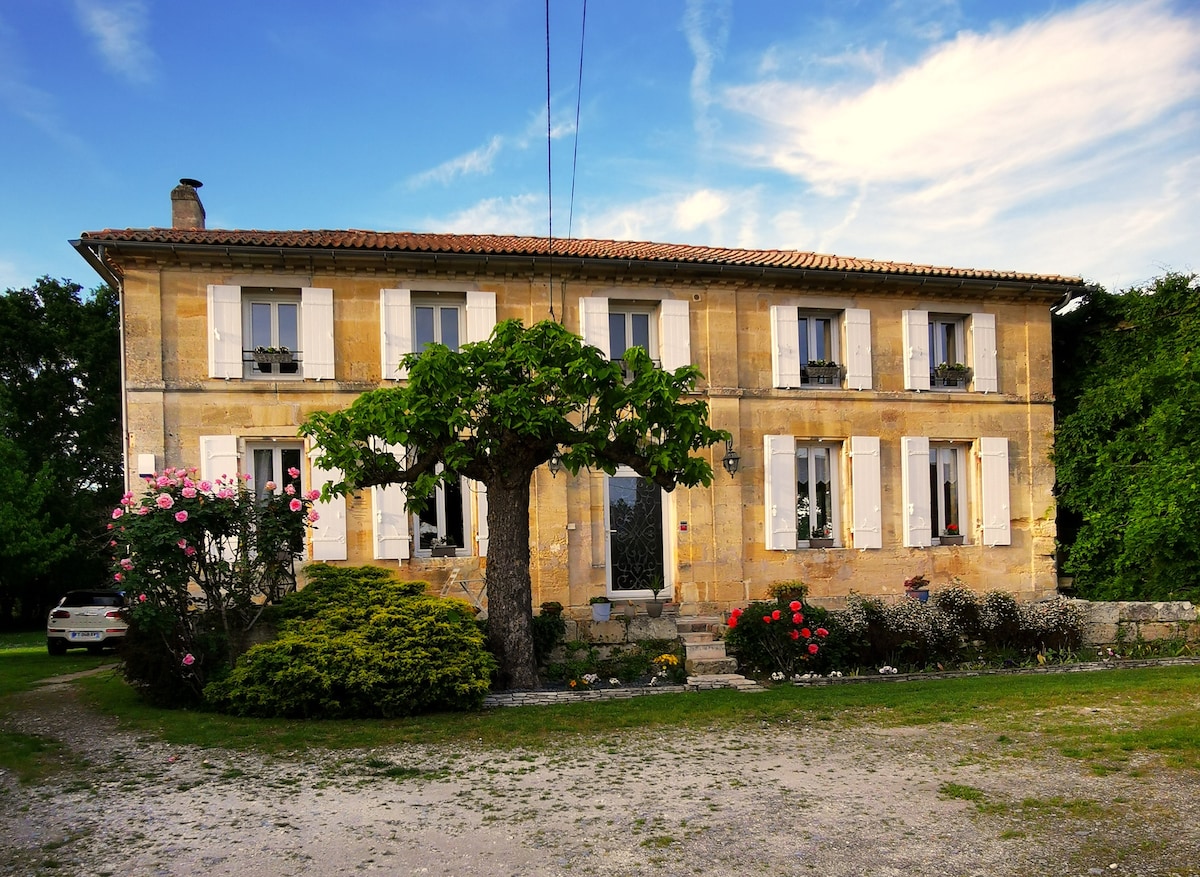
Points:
[1107,624]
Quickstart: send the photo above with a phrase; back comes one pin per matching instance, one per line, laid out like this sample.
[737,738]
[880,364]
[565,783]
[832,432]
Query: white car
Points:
[91,619]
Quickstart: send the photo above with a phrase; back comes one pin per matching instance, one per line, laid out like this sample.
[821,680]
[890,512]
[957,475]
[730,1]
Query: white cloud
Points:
[519,215]
[119,30]
[1047,144]
[477,161]
[706,26]
[700,208]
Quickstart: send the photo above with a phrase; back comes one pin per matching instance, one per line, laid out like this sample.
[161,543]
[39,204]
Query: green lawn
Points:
[1101,718]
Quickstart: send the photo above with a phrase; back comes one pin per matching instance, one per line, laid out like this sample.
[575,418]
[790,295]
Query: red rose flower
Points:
[806,633]
[797,618]
[812,648]
[795,635]
[766,619]
[822,632]
[776,614]
[795,606]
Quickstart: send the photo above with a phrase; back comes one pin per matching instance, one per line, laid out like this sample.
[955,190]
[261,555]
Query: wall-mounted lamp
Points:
[731,460]
[555,464]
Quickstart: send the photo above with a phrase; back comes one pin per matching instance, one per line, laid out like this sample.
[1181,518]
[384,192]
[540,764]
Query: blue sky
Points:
[1028,135]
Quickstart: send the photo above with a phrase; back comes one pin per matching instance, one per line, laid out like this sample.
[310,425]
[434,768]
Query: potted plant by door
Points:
[655,607]
[917,588]
[601,608]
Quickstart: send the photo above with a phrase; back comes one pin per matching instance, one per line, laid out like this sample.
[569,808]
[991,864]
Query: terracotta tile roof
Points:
[513,245]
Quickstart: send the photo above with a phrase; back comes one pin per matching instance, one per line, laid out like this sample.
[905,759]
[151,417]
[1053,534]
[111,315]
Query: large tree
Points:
[1127,449]
[497,410]
[60,431]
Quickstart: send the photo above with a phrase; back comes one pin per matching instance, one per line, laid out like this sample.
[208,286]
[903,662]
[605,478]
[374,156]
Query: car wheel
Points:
[56,646]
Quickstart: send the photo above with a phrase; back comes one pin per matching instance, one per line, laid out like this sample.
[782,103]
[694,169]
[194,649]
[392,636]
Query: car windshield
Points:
[93,598]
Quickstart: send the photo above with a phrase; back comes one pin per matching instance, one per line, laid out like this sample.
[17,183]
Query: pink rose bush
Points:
[202,555]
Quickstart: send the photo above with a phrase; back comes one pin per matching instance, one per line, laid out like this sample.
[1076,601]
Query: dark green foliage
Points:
[355,643]
[60,446]
[1127,448]
[549,628]
[150,659]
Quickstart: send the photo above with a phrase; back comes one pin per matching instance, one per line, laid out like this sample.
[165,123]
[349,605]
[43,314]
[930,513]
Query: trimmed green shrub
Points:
[356,643]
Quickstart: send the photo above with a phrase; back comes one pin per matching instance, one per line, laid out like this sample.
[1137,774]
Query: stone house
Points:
[860,461]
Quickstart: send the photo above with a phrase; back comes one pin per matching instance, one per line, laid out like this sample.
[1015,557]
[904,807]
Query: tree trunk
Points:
[509,589]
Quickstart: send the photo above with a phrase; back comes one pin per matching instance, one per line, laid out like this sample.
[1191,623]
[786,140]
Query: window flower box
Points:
[273,354]
[823,373]
[947,539]
[950,375]
[820,542]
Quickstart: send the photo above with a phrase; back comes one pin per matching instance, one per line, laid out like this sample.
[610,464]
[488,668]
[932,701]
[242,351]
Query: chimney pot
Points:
[186,209]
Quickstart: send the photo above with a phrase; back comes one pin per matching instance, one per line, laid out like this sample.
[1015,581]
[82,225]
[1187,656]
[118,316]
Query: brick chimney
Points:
[186,209]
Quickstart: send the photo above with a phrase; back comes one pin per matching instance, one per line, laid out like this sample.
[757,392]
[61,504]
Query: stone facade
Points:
[718,547]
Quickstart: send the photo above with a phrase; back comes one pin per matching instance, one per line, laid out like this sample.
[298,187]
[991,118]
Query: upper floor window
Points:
[273,319]
[408,321]
[270,332]
[820,349]
[950,351]
[661,328]
[631,326]
[437,322]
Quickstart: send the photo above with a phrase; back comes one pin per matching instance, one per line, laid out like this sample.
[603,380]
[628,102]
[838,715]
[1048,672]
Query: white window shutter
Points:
[675,335]
[983,353]
[481,315]
[993,458]
[779,456]
[866,492]
[218,457]
[858,348]
[479,491]
[593,324]
[329,532]
[389,520]
[916,350]
[395,331]
[224,331]
[918,505]
[785,346]
[316,318]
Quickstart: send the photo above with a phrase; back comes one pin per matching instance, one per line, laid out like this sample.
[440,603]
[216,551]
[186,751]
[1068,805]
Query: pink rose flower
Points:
[313,495]
[188,660]
[295,505]
[289,489]
[271,485]
[116,513]
[190,551]
[293,472]
[126,564]
[164,501]
[189,493]
[182,543]
[162,481]
[141,598]
[143,510]
[206,486]
[313,517]
[181,517]
[118,578]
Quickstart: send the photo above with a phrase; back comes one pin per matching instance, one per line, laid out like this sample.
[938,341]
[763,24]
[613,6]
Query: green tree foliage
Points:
[59,441]
[355,643]
[1127,449]
[496,411]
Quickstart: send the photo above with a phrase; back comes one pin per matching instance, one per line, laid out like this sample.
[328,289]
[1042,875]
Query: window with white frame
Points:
[815,349]
[409,320]
[271,327]
[438,321]
[615,325]
[445,520]
[950,351]
[270,332]
[816,488]
[937,480]
[273,466]
[804,492]
[947,490]
[631,325]
[274,462]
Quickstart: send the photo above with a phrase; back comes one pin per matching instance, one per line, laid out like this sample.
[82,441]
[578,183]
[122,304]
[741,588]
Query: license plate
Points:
[84,634]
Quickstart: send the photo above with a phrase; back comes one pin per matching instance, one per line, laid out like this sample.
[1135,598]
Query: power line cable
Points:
[578,102]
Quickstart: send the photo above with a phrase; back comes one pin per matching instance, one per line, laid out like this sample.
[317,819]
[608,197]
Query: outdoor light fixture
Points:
[731,460]
[555,464]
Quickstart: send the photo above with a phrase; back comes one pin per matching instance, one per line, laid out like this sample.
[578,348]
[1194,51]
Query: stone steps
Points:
[705,654]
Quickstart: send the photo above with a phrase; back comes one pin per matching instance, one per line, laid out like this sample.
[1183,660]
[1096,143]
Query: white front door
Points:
[635,523]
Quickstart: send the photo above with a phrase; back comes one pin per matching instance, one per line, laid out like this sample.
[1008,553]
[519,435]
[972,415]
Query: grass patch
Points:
[962,793]
[1100,718]
[24,661]
[31,759]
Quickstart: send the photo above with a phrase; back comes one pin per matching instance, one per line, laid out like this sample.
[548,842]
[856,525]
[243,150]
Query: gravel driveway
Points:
[788,799]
